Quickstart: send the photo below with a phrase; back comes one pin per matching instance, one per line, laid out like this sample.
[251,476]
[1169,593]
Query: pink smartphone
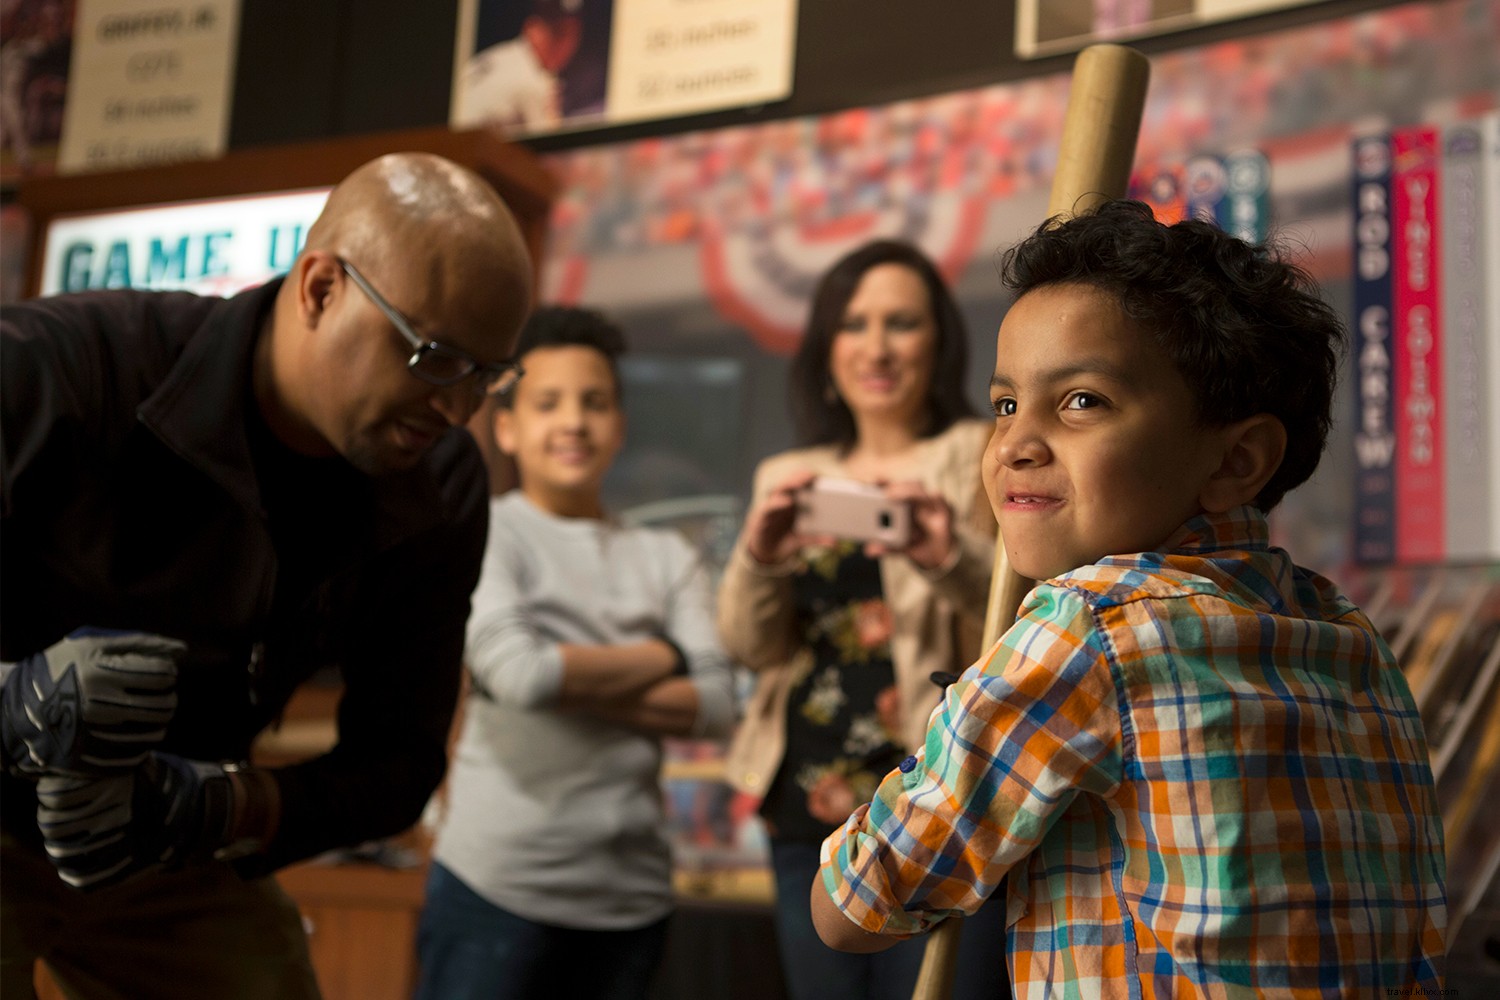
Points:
[845,508]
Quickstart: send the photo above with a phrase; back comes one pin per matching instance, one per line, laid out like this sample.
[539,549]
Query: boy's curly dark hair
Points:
[570,326]
[1244,327]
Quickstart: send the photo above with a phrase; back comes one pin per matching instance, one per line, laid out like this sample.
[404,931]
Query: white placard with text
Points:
[149,82]
[678,57]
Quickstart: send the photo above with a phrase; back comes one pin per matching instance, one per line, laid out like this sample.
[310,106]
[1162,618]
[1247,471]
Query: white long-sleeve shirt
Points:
[557,816]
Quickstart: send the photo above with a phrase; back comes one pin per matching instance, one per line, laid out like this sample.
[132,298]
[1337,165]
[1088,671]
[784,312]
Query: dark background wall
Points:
[310,69]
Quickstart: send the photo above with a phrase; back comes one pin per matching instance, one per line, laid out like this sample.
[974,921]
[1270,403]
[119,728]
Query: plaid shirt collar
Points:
[1239,529]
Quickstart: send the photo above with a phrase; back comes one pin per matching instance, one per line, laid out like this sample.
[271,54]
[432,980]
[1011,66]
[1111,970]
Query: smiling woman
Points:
[844,637]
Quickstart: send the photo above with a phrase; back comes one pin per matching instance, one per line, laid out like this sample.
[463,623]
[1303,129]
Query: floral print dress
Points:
[840,724]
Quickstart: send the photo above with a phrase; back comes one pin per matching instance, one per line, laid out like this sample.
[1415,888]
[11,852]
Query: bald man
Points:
[205,501]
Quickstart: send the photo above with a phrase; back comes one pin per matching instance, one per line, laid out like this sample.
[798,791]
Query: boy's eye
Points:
[1083,401]
[1005,406]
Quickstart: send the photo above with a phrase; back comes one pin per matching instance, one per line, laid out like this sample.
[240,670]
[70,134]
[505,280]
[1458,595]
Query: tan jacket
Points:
[937,617]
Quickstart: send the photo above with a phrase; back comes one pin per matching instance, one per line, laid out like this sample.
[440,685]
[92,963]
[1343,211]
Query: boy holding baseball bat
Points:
[1198,764]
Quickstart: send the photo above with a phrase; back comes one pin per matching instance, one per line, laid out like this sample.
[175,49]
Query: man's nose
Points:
[457,403]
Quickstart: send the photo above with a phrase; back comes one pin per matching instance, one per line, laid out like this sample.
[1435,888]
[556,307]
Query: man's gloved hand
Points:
[169,811]
[86,828]
[95,702]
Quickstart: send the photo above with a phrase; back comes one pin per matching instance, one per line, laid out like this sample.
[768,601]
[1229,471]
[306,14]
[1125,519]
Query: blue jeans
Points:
[471,949]
[815,971]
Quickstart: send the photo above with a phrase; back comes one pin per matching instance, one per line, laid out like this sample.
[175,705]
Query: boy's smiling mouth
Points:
[1031,501]
[572,453]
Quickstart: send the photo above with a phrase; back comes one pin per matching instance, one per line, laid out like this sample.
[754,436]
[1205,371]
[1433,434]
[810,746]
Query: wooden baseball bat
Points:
[1093,165]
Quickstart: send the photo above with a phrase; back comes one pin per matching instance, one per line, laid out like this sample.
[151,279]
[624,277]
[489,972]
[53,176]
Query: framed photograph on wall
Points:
[36,47]
[530,67]
[1050,27]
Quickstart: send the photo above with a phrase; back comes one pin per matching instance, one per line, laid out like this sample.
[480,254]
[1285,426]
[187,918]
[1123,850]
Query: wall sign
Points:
[213,247]
[149,82]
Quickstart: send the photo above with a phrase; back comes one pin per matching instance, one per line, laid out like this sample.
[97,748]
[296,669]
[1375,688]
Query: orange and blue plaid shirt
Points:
[1203,773]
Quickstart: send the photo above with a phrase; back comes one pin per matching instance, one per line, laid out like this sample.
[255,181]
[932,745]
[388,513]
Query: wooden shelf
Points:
[361,923]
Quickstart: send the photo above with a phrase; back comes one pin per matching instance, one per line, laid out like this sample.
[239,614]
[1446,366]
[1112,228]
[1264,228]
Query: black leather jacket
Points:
[137,493]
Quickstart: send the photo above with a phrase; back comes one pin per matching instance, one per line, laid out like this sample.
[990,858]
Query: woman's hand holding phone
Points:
[834,508]
[931,541]
[790,517]
[769,527]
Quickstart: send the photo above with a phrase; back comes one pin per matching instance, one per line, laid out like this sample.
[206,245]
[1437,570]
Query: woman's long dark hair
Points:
[824,418]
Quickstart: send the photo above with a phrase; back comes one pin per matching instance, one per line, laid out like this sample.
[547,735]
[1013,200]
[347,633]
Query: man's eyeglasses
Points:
[434,363]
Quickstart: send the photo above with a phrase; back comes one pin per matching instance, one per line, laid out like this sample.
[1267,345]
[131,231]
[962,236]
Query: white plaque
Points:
[149,82]
[678,57]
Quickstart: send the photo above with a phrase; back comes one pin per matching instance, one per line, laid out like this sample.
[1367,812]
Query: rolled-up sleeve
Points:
[1027,729]
[508,658]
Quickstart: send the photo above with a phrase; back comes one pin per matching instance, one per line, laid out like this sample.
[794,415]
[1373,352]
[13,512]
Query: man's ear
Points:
[315,273]
[1252,452]
[505,430]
